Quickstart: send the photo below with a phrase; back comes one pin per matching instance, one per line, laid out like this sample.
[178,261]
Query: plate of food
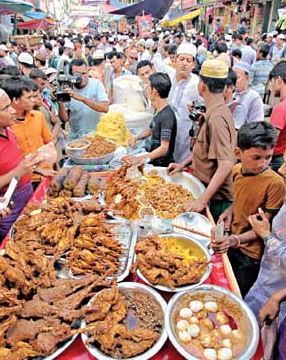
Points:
[172,262]
[209,323]
[101,151]
[129,323]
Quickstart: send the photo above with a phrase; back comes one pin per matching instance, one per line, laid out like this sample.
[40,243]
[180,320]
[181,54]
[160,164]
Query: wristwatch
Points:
[267,238]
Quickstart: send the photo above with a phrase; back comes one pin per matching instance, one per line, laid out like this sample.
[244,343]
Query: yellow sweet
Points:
[113,127]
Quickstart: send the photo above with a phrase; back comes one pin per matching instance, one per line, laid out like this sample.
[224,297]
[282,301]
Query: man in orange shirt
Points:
[30,127]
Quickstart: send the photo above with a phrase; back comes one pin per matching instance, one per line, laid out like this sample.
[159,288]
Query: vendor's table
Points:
[221,275]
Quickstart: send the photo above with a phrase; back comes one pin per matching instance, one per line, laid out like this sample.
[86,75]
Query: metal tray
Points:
[186,287]
[248,321]
[123,232]
[188,181]
[158,345]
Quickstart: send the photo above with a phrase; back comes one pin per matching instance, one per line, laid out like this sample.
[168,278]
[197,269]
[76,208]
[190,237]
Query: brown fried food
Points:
[99,147]
[20,351]
[57,183]
[80,188]
[93,184]
[73,177]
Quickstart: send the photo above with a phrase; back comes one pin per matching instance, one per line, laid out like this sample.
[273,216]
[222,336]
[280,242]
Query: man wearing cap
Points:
[249,98]
[213,154]
[278,50]
[183,92]
[132,60]
[26,63]
[5,59]
[143,53]
[97,65]
[67,55]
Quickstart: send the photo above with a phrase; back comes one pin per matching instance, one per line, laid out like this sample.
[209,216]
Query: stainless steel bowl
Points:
[100,160]
[127,286]
[77,151]
[248,320]
[207,254]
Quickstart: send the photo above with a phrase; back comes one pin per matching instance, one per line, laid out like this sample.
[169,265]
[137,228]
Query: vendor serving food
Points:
[163,128]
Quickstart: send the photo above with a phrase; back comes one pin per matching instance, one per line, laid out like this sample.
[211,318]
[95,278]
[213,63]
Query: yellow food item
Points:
[112,126]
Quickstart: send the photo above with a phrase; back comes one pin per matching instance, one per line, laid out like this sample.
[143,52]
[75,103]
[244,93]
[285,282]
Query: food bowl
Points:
[77,147]
[242,320]
[193,244]
[134,287]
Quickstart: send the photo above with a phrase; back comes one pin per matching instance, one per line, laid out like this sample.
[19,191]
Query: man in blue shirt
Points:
[89,99]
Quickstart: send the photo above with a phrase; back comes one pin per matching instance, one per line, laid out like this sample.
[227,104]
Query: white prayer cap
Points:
[187,48]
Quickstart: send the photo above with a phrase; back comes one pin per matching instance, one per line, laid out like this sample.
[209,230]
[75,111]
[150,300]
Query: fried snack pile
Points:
[160,266]
[54,226]
[37,310]
[209,327]
[99,147]
[112,126]
[74,182]
[108,327]
[95,250]
[128,195]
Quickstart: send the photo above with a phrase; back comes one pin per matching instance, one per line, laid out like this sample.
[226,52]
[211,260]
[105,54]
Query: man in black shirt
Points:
[163,128]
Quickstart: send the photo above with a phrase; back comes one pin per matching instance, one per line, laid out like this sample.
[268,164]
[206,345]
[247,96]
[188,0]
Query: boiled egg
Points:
[182,325]
[186,313]
[196,306]
[225,329]
[184,336]
[210,354]
[224,354]
[193,330]
[221,318]
[211,306]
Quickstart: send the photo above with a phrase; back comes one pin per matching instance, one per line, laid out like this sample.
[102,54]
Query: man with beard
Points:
[278,117]
[183,92]
[89,99]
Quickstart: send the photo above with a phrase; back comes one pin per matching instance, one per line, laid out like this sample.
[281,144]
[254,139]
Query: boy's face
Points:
[254,160]
[25,102]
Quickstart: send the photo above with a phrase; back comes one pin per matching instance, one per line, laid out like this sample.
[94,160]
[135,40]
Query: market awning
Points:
[15,6]
[156,8]
[38,15]
[191,15]
[35,24]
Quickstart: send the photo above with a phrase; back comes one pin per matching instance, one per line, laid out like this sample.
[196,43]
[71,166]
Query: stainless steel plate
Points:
[126,234]
[196,221]
[212,292]
[187,287]
[158,345]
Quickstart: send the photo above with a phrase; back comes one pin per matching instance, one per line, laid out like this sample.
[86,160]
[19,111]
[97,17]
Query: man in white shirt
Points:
[183,92]
[66,58]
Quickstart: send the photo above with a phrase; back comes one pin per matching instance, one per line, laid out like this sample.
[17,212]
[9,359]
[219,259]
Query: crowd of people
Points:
[207,97]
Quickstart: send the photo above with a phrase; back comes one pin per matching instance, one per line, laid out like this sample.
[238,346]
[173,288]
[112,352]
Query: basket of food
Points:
[100,151]
[172,262]
[128,323]
[78,147]
[210,322]
[33,40]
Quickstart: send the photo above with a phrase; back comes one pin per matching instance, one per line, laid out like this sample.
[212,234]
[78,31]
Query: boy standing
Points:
[255,186]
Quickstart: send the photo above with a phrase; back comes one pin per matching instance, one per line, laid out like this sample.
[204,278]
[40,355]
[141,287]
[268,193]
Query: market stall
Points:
[106,264]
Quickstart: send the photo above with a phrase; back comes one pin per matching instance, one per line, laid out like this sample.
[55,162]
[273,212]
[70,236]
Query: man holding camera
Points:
[213,154]
[88,100]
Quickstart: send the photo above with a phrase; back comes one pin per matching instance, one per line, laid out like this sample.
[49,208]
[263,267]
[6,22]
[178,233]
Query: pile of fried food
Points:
[209,327]
[160,266]
[74,182]
[127,195]
[96,250]
[99,147]
[53,226]
[38,312]
[109,328]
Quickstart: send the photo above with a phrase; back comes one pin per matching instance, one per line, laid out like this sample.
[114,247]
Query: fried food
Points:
[128,195]
[99,147]
[57,183]
[109,327]
[93,184]
[79,189]
[73,177]
[163,265]
[100,254]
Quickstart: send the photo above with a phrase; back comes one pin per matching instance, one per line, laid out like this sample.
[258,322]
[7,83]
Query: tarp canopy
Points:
[191,15]
[38,15]
[15,6]
[35,24]
[156,8]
